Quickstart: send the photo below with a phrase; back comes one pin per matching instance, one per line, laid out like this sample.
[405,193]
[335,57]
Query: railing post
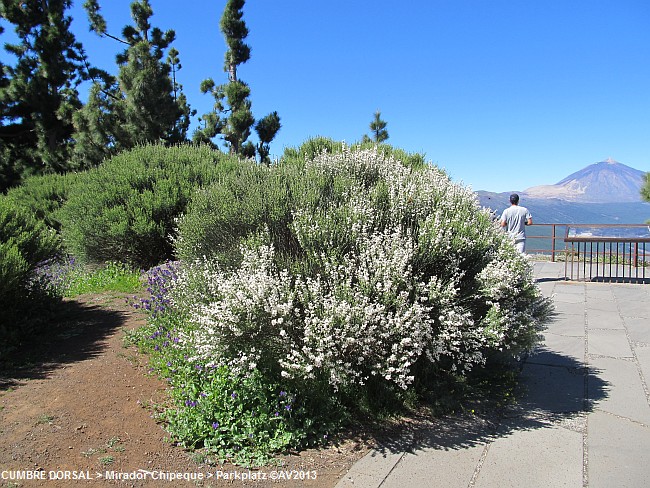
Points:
[553,244]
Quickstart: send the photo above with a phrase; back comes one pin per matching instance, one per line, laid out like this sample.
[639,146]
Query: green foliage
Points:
[144,104]
[316,146]
[235,31]
[311,148]
[39,96]
[220,214]
[266,128]
[70,278]
[379,133]
[115,277]
[645,190]
[242,419]
[42,196]
[231,117]
[24,243]
[136,197]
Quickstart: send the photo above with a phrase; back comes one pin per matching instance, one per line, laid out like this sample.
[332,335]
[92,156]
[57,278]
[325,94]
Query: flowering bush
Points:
[390,266]
[335,276]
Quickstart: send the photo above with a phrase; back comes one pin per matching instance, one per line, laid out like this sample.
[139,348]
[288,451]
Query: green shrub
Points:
[316,146]
[125,209]
[24,243]
[41,196]
[219,215]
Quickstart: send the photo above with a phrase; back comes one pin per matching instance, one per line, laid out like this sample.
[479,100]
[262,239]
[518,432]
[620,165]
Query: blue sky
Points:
[503,94]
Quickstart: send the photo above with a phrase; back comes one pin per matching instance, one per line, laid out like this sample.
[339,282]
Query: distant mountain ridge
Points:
[603,182]
[607,192]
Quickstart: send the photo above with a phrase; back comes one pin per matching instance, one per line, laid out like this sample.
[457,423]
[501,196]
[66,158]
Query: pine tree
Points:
[39,95]
[182,123]
[378,128]
[231,117]
[144,103]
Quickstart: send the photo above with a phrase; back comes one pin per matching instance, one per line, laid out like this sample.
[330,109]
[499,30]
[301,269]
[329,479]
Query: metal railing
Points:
[595,252]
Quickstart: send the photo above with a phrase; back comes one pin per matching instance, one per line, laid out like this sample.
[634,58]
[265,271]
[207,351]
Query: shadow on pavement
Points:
[547,280]
[545,395]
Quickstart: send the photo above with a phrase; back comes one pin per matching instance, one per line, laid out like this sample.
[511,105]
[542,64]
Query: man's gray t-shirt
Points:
[516,217]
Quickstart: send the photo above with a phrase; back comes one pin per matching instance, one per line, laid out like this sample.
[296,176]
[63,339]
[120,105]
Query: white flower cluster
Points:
[376,304]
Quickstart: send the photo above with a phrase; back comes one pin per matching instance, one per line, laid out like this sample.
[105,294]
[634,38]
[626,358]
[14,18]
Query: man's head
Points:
[514,199]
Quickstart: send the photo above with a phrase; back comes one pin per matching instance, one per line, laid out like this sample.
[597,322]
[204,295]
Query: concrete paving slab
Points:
[569,325]
[548,269]
[435,467]
[597,319]
[602,304]
[546,288]
[630,292]
[448,449]
[619,452]
[635,308]
[571,288]
[597,293]
[638,329]
[536,457]
[565,308]
[612,343]
[371,470]
[560,350]
[624,394]
[568,298]
[551,390]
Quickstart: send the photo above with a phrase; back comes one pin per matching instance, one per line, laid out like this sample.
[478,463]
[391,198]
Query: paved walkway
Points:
[583,421]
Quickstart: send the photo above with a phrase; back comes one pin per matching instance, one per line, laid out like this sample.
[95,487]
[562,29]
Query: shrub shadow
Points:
[547,280]
[75,332]
[551,390]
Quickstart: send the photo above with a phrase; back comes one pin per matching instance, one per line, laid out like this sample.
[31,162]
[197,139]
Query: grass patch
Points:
[106,460]
[70,279]
[115,277]
[45,419]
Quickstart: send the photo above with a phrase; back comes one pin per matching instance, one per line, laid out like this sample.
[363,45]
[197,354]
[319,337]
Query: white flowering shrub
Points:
[355,268]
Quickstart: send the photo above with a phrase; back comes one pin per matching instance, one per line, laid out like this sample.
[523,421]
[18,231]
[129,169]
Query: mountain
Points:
[603,182]
[607,192]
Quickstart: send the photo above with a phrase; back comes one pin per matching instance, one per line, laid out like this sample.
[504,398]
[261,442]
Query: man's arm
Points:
[530,221]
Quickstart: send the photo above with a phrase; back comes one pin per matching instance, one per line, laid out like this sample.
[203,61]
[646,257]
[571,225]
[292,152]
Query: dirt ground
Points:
[76,405]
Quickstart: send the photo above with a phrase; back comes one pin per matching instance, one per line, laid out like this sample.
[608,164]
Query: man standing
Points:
[514,219]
